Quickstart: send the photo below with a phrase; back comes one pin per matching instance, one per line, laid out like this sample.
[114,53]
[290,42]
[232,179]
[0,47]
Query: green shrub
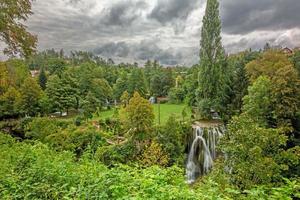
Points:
[75,139]
[40,128]
[110,125]
[172,138]
[204,109]
[153,154]
[114,154]
[176,95]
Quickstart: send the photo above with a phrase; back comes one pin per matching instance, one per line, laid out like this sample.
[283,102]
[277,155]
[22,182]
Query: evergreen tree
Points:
[236,65]
[212,78]
[42,79]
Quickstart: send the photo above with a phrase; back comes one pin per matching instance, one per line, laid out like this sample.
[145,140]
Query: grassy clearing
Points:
[166,110]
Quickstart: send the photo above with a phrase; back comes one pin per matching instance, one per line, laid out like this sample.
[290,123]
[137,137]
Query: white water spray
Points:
[202,152]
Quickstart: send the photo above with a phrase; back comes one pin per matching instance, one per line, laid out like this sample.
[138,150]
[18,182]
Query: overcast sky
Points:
[165,30]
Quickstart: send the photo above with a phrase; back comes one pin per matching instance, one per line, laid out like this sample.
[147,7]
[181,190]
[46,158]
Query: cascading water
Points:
[202,151]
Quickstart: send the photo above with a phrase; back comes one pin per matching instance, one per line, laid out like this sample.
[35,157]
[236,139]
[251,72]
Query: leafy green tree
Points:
[4,77]
[17,71]
[253,153]
[286,93]
[101,90]
[161,81]
[62,92]
[257,104]
[13,73]
[296,60]
[156,86]
[56,66]
[176,95]
[284,80]
[85,74]
[90,105]
[190,85]
[10,103]
[212,71]
[30,93]
[138,115]
[137,82]
[42,78]
[12,31]
[121,85]
[45,104]
[267,64]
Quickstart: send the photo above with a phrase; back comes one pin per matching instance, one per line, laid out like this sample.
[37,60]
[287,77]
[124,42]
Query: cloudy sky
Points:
[165,30]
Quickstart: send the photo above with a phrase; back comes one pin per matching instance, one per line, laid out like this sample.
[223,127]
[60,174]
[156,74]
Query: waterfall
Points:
[202,151]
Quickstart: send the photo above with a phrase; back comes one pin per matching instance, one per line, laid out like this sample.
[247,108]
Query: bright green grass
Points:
[166,110]
[107,114]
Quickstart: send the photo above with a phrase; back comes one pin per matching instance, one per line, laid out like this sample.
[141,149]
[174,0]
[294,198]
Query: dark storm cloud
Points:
[145,50]
[75,30]
[123,13]
[173,10]
[74,1]
[242,16]
[119,49]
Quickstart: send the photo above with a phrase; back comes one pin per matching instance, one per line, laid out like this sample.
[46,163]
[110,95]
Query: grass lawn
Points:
[166,110]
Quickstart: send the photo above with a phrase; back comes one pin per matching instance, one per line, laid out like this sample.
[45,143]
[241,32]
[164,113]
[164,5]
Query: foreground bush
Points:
[36,172]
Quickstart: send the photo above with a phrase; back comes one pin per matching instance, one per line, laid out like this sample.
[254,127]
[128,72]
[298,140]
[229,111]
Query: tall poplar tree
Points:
[212,78]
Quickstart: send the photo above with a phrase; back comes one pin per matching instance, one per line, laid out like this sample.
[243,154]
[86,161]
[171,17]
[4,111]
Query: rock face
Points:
[202,148]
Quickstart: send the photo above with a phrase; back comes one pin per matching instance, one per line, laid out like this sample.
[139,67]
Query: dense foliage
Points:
[34,171]
[256,154]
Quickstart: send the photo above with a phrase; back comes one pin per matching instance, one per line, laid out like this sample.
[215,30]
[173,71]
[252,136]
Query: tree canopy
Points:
[12,31]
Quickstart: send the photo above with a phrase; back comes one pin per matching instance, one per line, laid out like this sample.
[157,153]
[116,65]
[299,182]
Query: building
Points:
[287,51]
[34,73]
